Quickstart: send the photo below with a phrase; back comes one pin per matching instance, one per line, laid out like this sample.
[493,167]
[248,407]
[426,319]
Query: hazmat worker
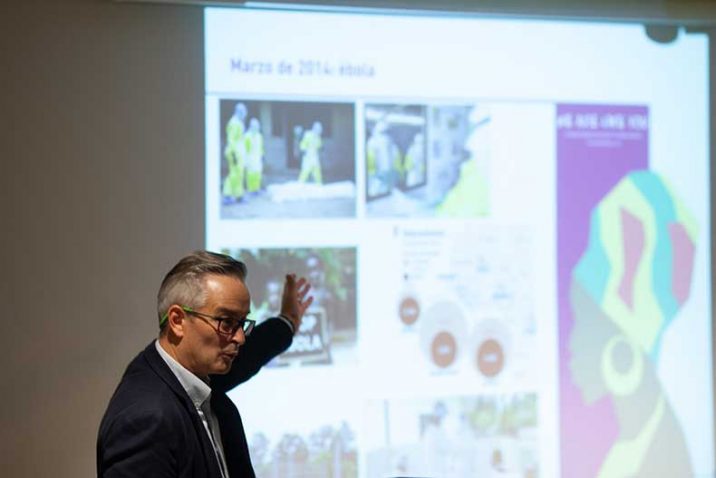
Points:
[310,146]
[254,156]
[468,197]
[414,163]
[235,155]
[381,154]
[296,143]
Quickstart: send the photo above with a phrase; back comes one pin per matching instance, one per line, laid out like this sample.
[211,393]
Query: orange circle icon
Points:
[490,357]
[443,349]
[409,310]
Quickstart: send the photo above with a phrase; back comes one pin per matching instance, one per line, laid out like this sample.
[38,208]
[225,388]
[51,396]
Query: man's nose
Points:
[239,337]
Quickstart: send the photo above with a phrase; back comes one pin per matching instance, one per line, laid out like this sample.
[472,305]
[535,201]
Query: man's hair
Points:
[185,283]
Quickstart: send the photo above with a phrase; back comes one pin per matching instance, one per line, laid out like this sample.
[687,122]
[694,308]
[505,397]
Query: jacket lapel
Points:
[236,450]
[159,366]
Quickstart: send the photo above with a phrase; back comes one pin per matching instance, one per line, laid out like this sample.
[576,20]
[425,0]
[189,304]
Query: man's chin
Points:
[223,365]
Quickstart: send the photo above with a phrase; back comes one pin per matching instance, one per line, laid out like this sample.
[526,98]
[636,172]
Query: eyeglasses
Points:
[225,325]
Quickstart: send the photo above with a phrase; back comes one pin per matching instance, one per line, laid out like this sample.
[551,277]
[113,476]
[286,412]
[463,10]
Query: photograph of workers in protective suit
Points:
[286,159]
[327,335]
[394,148]
[430,161]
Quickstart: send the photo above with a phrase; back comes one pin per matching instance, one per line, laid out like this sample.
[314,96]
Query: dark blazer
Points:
[151,428]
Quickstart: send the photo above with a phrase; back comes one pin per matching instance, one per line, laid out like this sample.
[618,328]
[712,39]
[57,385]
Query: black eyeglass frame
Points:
[247,325]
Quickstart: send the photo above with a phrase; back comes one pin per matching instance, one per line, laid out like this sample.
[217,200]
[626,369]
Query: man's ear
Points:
[175,320]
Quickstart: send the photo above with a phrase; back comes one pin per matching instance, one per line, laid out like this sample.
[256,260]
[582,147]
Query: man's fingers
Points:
[304,290]
[306,304]
[295,293]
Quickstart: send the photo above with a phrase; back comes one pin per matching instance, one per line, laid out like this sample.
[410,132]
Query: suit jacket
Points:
[151,427]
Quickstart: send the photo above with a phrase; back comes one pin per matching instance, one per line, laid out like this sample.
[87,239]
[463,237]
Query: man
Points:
[235,155]
[311,145]
[414,162]
[381,157]
[254,156]
[170,416]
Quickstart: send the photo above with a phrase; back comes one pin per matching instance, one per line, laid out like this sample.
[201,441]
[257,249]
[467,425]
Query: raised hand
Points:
[295,299]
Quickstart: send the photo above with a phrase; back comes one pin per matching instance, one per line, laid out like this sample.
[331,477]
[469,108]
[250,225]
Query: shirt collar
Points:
[197,389]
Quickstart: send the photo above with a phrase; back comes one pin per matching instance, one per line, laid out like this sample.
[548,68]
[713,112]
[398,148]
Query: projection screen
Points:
[507,228]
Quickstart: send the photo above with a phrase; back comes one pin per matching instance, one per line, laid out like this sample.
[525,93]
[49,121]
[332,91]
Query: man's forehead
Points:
[224,289]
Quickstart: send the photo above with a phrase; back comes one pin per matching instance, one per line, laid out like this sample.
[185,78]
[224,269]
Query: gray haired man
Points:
[170,416]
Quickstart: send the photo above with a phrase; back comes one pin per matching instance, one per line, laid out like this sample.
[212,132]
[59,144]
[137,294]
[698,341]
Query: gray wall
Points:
[101,190]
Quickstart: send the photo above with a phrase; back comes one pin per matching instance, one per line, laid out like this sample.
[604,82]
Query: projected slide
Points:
[507,229]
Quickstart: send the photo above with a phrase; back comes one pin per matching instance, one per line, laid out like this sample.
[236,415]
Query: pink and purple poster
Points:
[625,260]
[592,157]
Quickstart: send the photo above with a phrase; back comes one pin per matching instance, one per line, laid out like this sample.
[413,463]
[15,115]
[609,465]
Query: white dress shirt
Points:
[200,394]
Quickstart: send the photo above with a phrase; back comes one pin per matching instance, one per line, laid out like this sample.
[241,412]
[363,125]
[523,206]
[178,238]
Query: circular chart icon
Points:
[409,310]
[490,357]
[443,349]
